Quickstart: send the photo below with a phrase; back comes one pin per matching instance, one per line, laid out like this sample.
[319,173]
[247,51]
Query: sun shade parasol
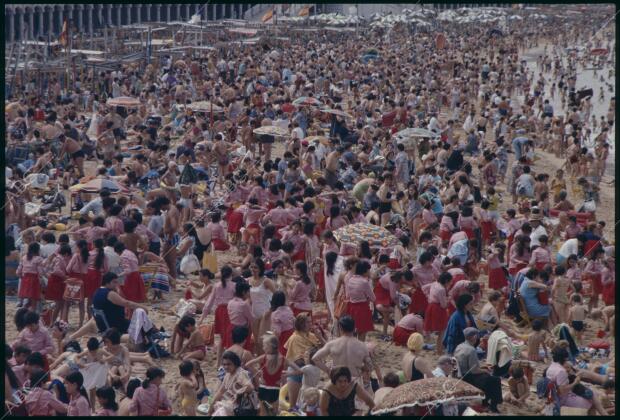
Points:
[337,112]
[307,101]
[425,392]
[124,101]
[376,236]
[205,106]
[98,184]
[271,130]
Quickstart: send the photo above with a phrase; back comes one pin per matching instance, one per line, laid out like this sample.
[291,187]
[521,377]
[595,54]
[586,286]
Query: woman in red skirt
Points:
[447,226]
[360,295]
[424,274]
[77,269]
[519,254]
[239,314]
[497,276]
[31,266]
[97,266]
[222,293]
[407,325]
[593,271]
[487,225]
[234,218]
[218,234]
[282,320]
[608,279]
[133,288]
[57,266]
[299,296]
[541,256]
[467,223]
[436,315]
[385,296]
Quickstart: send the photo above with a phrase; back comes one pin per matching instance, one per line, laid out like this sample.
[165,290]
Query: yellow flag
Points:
[267,16]
[63,39]
[305,11]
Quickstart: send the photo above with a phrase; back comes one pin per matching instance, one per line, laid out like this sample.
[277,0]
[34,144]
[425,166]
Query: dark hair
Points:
[537,324]
[78,379]
[107,393]
[99,260]
[232,357]
[462,301]
[225,273]
[241,288]
[185,322]
[82,245]
[35,359]
[362,267]
[108,277]
[186,367]
[346,324]
[152,373]
[444,278]
[559,354]
[425,257]
[18,319]
[8,369]
[38,378]
[33,249]
[132,385]
[278,299]
[365,250]
[339,372]
[391,380]
[31,318]
[330,262]
[113,335]
[92,344]
[239,334]
[303,268]
[72,346]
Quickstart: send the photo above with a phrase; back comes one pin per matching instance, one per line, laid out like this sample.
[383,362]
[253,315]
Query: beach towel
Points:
[95,375]
[499,342]
[139,322]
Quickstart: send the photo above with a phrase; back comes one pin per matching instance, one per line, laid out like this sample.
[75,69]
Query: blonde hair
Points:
[270,341]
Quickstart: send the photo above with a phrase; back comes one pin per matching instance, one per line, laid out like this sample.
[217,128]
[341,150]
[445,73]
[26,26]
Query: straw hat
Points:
[536,217]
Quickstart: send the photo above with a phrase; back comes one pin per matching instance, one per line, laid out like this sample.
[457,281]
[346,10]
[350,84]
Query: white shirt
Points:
[114,260]
[47,250]
[537,233]
[299,133]
[569,248]
[433,124]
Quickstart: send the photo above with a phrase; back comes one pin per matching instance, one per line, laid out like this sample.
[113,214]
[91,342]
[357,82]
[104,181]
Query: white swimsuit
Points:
[261,300]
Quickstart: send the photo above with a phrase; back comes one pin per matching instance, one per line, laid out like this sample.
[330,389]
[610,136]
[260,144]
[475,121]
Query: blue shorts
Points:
[560,259]
[294,378]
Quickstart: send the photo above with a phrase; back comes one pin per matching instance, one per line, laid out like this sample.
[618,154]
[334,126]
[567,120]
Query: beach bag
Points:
[246,405]
[188,176]
[190,264]
[600,344]
[209,261]
[341,306]
[161,412]
[545,388]
[74,290]
[208,333]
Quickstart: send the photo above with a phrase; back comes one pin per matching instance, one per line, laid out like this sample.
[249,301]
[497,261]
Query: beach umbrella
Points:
[98,184]
[415,133]
[205,106]
[376,236]
[337,112]
[124,101]
[307,101]
[271,130]
[427,392]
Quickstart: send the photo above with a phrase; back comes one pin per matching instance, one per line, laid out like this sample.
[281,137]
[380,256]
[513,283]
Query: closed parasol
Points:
[307,101]
[337,112]
[410,136]
[427,392]
[98,184]
[271,130]
[124,101]
[205,106]
[376,236]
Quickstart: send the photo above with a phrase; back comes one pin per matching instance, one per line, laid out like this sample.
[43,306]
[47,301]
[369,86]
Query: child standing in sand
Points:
[187,388]
[559,292]
[535,341]
[577,316]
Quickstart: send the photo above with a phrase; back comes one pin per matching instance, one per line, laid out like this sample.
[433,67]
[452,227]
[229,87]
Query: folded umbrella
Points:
[307,101]
[271,130]
[124,101]
[377,236]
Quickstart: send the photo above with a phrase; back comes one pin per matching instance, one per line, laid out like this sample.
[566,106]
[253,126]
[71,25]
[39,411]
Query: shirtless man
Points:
[105,141]
[221,150]
[171,240]
[331,166]
[73,149]
[345,350]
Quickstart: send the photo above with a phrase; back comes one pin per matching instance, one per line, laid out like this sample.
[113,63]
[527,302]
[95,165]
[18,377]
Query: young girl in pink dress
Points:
[359,297]
[593,272]
[57,266]
[300,295]
[31,267]
[467,223]
[97,266]
[106,397]
[495,266]
[519,254]
[436,316]
[541,256]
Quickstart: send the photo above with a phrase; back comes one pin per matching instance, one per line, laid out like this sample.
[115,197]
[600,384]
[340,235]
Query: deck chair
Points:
[526,318]
[100,319]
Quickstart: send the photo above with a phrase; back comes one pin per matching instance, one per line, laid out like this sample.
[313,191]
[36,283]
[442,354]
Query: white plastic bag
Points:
[190,264]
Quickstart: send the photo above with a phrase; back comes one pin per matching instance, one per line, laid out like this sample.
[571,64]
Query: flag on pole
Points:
[305,11]
[63,38]
[267,16]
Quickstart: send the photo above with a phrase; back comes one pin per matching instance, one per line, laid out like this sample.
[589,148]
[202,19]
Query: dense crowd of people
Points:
[492,261]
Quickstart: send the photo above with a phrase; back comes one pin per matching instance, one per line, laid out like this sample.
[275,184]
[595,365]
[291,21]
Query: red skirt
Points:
[254,231]
[418,302]
[362,315]
[382,296]
[510,239]
[435,318]
[299,255]
[541,265]
[30,286]
[92,281]
[394,264]
[235,221]
[597,285]
[227,338]
[470,233]
[220,245]
[445,235]
[133,289]
[55,288]
[497,278]
[609,293]
[401,335]
[282,339]
[221,319]
[487,229]
[514,270]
